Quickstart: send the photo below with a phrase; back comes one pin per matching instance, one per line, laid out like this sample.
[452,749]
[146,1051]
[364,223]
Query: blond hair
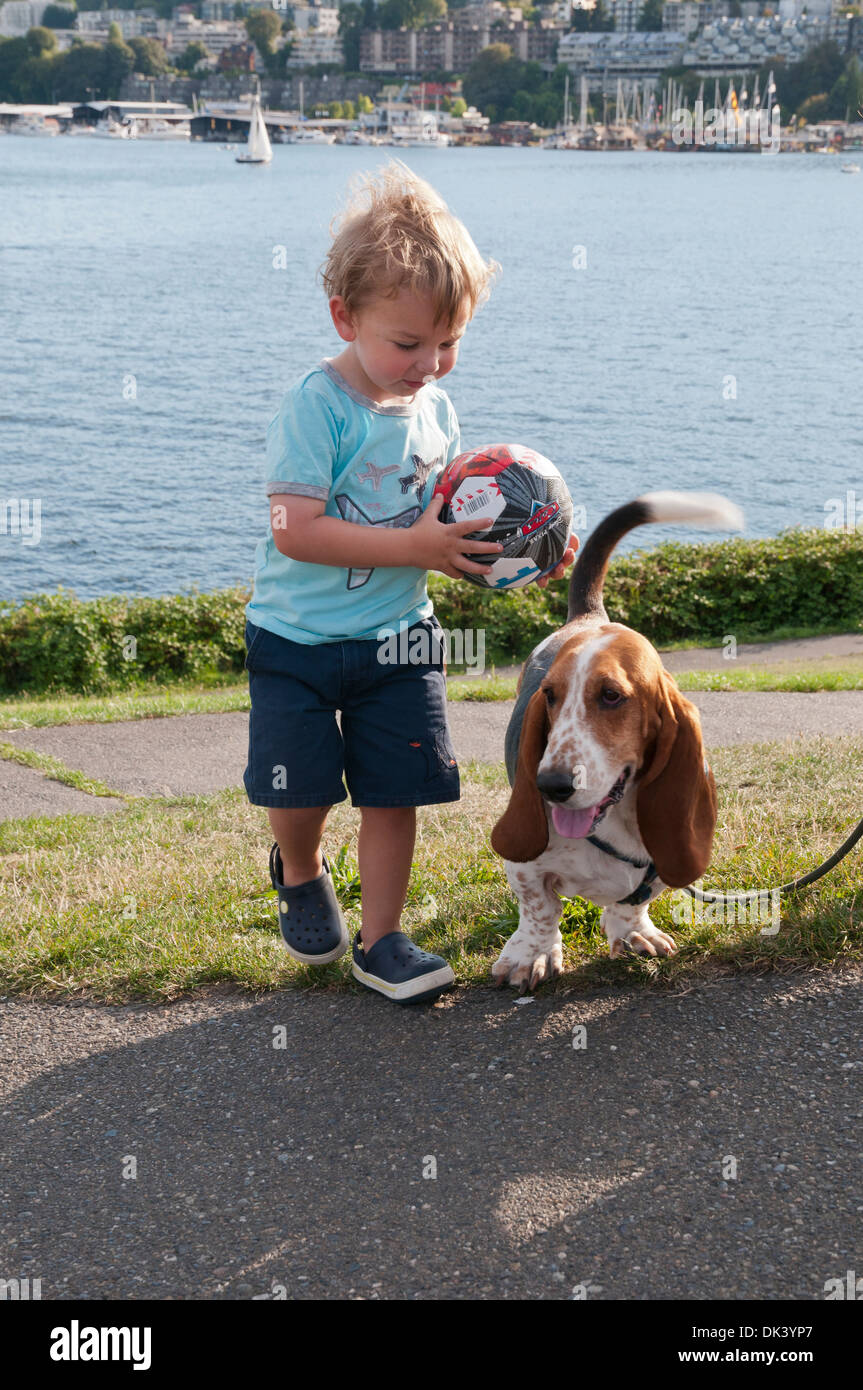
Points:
[396,233]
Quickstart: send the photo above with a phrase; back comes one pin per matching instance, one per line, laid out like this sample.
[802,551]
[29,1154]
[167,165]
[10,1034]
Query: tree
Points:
[192,55]
[592,21]
[40,41]
[846,96]
[58,17]
[409,14]
[491,77]
[36,79]
[150,57]
[816,74]
[815,108]
[650,19]
[263,28]
[352,21]
[80,68]
[13,53]
[119,61]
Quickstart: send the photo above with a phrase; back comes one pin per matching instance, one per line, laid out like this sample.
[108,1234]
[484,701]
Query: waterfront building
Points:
[452,47]
[816,9]
[218,9]
[237,55]
[93,25]
[625,13]
[603,58]
[215,35]
[688,16]
[316,37]
[323,18]
[17,16]
[742,45]
[721,48]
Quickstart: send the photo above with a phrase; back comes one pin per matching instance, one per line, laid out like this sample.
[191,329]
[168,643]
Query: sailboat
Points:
[566,136]
[258,148]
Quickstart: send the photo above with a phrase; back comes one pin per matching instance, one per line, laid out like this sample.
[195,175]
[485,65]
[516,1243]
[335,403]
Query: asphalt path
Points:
[200,753]
[703,1143]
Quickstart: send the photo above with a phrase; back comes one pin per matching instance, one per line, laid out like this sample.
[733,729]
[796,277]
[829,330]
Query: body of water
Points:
[708,336]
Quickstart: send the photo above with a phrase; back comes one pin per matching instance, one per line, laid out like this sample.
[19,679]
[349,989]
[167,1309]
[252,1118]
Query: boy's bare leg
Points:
[386,846]
[298,831]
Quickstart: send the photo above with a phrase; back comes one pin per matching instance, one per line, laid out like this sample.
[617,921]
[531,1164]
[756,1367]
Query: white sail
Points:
[258,148]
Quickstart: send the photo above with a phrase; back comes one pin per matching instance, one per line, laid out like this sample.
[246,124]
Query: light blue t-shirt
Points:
[372,464]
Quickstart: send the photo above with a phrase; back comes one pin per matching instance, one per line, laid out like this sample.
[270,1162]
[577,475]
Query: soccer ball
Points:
[529,502]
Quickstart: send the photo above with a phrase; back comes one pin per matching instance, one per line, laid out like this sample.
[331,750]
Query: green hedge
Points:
[673,593]
[57,642]
[686,593]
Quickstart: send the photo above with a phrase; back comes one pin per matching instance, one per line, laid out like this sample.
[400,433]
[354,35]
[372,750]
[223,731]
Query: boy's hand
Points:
[442,545]
[559,570]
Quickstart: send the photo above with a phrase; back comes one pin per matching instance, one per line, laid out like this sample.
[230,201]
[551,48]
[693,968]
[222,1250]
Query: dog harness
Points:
[644,891]
[645,888]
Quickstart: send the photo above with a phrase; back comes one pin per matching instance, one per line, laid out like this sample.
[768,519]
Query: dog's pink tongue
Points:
[574,824]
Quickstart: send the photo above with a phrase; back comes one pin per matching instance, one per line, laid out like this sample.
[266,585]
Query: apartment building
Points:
[452,47]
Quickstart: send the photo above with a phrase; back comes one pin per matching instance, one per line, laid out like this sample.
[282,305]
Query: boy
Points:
[353,457]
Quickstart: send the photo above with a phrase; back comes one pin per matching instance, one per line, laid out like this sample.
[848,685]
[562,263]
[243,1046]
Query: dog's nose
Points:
[557,786]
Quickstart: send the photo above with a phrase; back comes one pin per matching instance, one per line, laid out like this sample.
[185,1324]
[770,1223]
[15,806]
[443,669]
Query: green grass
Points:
[167,896]
[25,713]
[57,770]
[482,689]
[779,676]
[788,632]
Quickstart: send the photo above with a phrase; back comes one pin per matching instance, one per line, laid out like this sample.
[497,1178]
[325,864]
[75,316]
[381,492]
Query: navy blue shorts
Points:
[394,746]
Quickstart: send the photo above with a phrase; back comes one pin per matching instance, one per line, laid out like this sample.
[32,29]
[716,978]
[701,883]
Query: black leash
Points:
[803,882]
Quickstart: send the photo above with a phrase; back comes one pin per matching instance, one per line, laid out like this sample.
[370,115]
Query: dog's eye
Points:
[610,697]
[549,695]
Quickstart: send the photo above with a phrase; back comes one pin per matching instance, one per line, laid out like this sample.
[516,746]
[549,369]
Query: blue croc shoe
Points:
[310,919]
[397,968]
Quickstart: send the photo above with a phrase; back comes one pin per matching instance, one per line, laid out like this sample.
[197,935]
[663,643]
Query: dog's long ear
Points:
[676,801]
[522,831]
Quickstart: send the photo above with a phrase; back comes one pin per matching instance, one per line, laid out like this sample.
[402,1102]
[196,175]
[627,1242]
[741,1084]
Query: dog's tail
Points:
[706,509]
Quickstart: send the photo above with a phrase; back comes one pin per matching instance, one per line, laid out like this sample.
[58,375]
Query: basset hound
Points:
[601,736]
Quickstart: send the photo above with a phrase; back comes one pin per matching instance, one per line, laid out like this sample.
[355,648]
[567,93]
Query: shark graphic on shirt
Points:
[349,511]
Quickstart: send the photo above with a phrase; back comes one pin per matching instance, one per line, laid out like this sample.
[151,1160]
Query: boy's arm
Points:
[302,531]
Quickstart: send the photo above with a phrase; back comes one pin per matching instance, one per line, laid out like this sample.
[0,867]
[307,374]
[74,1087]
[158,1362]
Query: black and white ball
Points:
[530,505]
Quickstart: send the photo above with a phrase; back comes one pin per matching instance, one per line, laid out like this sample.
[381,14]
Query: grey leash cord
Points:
[812,877]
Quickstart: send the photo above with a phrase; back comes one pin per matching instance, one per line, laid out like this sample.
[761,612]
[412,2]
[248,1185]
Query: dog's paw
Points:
[524,964]
[644,940]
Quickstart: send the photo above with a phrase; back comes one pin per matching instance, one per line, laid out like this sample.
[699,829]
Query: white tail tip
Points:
[707,509]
